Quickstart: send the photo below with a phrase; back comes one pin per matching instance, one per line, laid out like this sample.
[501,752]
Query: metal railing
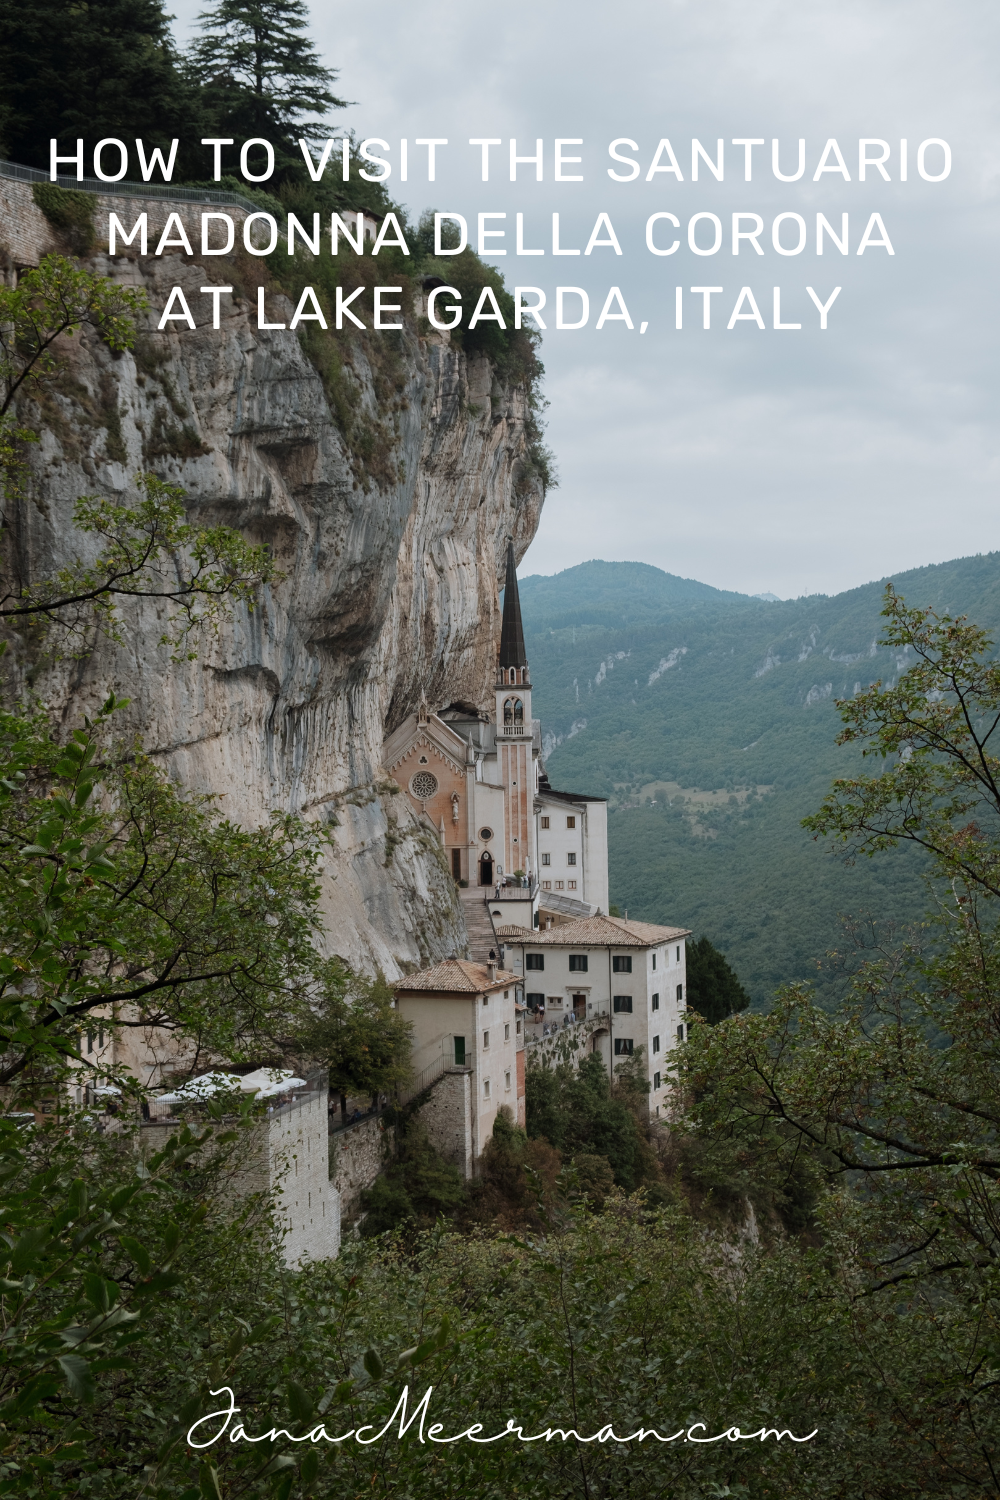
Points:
[582,1026]
[430,1075]
[154,1113]
[337,1123]
[524,892]
[16,173]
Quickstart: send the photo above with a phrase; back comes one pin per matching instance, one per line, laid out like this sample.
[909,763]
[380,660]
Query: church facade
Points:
[475,773]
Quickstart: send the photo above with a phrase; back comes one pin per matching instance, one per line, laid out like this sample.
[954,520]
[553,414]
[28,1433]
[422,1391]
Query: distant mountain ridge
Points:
[719,708]
[637,589]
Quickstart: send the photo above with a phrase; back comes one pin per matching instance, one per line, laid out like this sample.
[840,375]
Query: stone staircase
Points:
[477,920]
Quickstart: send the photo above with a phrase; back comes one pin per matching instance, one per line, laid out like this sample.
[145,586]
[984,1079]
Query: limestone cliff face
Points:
[386,593]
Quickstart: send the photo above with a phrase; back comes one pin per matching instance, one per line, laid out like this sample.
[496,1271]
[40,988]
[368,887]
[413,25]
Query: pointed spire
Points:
[512,653]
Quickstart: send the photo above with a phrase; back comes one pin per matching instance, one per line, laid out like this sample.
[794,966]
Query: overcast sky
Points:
[790,461]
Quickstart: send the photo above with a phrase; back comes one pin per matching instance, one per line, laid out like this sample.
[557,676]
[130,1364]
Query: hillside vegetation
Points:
[709,719]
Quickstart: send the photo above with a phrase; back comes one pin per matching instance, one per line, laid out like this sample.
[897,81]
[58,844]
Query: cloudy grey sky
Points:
[796,462]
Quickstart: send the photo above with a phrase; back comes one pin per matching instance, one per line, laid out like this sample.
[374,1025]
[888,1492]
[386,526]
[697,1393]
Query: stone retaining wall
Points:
[357,1155]
[448,1118]
[26,234]
[287,1154]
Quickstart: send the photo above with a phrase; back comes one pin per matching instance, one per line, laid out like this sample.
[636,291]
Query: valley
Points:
[709,720]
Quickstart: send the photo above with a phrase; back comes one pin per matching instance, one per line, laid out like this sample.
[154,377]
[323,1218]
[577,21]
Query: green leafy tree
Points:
[51,302]
[416,1188]
[934,732]
[54,301]
[148,551]
[125,900]
[356,1032]
[515,1183]
[583,1111]
[145,548]
[713,989]
[893,1101]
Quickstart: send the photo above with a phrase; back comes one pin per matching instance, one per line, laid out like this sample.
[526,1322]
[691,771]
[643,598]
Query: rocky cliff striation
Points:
[389,586]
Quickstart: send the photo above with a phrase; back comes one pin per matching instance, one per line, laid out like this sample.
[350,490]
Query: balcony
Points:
[512,891]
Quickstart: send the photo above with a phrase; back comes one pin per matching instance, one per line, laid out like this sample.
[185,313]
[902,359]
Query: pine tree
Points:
[713,989]
[70,68]
[259,70]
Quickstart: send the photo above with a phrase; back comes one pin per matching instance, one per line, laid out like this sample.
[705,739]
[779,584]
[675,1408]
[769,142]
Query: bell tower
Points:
[514,730]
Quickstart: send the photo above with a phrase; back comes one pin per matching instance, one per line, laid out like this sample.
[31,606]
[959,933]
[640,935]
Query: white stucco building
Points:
[632,973]
[466,1035]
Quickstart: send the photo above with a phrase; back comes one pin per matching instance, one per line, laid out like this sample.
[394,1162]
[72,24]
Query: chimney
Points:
[492,967]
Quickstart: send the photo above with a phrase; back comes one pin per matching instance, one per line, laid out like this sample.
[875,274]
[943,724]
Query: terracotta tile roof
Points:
[604,932]
[512,933]
[456,975]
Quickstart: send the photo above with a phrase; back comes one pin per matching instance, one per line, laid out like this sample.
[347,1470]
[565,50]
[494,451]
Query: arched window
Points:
[508,712]
[518,712]
[513,675]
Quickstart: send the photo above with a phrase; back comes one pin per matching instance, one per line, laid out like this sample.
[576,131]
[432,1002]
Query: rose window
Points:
[423,785]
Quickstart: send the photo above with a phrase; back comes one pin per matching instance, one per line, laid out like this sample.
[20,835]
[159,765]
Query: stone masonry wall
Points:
[448,1118]
[308,1203]
[357,1155]
[287,1153]
[27,235]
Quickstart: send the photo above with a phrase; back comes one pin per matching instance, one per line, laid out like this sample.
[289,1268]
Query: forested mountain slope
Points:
[709,720]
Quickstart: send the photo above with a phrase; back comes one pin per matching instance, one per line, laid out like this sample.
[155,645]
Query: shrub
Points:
[71,213]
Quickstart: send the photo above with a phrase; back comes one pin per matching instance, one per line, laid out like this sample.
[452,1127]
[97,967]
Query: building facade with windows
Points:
[571,836]
[475,774]
[467,1036]
[631,973]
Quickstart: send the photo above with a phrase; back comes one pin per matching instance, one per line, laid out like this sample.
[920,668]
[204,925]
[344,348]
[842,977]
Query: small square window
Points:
[656,1044]
[578,963]
[506,1031]
[656,1002]
[506,994]
[506,1081]
[560,885]
[680,1033]
[546,885]
[680,992]
[623,1004]
[621,963]
[486,1040]
[517,1026]
[571,859]
[534,961]
[656,1081]
[486,999]
[570,822]
[546,859]
[545,822]
[486,1088]
[623,1046]
[571,885]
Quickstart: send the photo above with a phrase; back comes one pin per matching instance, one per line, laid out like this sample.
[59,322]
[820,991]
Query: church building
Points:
[475,773]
